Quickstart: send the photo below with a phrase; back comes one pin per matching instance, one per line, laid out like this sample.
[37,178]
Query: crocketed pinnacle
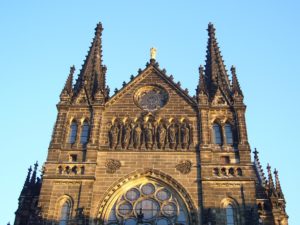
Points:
[27,181]
[278,186]
[92,74]
[271,187]
[235,83]
[69,82]
[215,71]
[259,168]
[33,177]
[202,89]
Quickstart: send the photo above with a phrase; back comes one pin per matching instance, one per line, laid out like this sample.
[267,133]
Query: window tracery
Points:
[158,204]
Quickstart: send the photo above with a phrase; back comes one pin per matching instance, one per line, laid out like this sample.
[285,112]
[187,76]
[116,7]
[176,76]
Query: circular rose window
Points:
[151,98]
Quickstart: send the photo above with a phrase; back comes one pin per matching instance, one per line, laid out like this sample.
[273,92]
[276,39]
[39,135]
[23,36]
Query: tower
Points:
[151,153]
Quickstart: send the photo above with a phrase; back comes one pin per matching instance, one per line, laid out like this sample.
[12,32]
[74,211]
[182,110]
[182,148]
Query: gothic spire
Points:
[278,186]
[215,71]
[67,91]
[33,177]
[270,187]
[92,74]
[236,89]
[69,83]
[259,169]
[27,181]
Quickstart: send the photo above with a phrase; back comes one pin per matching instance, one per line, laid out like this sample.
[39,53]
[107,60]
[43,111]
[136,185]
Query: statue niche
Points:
[161,136]
[173,135]
[185,135]
[114,133]
[137,135]
[149,134]
[126,134]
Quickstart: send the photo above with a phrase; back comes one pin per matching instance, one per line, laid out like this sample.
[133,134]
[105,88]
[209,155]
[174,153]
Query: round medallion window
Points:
[169,209]
[151,98]
[125,208]
[163,194]
[132,195]
[148,189]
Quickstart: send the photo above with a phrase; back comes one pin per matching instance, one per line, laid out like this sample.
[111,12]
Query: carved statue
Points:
[126,135]
[114,135]
[149,134]
[137,132]
[173,136]
[185,135]
[161,136]
[153,53]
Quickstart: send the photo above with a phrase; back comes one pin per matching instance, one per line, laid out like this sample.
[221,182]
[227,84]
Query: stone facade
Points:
[151,153]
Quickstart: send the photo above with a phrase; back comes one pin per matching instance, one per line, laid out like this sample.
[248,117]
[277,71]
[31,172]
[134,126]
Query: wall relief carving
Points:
[184,167]
[149,133]
[112,165]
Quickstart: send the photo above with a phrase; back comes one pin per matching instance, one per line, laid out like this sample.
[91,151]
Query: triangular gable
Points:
[150,69]
[220,99]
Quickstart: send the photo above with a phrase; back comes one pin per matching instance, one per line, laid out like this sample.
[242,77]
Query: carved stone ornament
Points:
[184,167]
[151,98]
[112,165]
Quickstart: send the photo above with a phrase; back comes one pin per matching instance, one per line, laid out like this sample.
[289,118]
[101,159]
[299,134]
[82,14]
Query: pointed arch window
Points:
[217,134]
[64,214]
[230,215]
[73,132]
[85,133]
[228,134]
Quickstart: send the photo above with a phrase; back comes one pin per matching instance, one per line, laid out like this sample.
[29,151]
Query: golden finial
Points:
[153,53]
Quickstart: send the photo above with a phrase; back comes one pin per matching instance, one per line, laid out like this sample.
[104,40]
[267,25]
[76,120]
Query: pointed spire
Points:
[69,83]
[259,169]
[278,186]
[27,181]
[236,89]
[202,89]
[271,187]
[33,177]
[214,68]
[92,75]
[67,91]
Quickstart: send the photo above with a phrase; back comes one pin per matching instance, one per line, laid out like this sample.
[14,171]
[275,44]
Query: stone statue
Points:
[185,136]
[114,135]
[153,53]
[161,136]
[149,134]
[126,135]
[172,135]
[137,132]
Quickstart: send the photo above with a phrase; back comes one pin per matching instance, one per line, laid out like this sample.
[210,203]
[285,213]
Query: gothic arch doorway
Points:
[146,198]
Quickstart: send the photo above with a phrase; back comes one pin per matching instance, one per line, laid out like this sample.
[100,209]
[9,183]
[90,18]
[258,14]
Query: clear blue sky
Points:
[40,40]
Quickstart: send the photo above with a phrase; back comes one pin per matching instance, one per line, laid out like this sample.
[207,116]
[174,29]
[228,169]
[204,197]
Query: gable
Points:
[152,77]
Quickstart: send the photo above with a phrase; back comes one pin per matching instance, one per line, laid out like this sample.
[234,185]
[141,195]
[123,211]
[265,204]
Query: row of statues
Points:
[150,134]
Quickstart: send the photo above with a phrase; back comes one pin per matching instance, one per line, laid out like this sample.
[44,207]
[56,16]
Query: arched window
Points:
[217,134]
[85,133]
[228,134]
[64,214]
[73,132]
[229,215]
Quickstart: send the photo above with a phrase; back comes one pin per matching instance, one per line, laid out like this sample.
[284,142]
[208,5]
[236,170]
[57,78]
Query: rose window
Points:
[157,204]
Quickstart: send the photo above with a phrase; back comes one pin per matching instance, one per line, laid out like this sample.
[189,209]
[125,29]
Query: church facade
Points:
[151,153]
